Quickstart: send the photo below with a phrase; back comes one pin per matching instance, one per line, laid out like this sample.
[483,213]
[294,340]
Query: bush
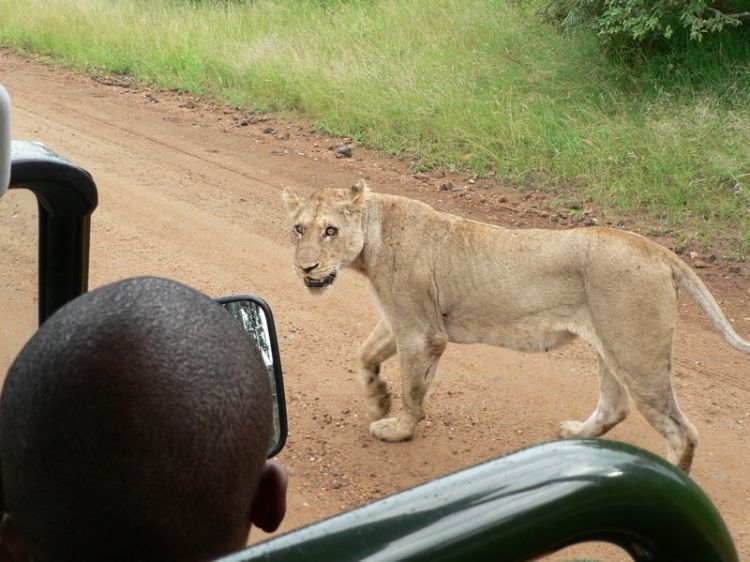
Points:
[647,23]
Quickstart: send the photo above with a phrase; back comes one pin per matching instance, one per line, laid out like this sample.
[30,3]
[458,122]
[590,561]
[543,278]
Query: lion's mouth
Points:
[320,283]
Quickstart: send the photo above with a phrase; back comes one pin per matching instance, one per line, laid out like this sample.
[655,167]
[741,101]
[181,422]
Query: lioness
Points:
[437,278]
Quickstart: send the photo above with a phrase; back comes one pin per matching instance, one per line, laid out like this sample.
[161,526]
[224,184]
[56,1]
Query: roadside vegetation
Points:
[488,87]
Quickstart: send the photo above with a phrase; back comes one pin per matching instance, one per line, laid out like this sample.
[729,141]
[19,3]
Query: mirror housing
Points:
[66,197]
[255,316]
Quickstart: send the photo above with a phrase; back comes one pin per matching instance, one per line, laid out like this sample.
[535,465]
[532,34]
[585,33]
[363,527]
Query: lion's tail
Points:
[693,285]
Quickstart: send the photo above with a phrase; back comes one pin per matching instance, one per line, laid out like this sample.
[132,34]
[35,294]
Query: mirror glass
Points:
[255,316]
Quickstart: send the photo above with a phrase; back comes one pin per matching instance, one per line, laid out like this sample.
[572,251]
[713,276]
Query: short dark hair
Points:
[134,426]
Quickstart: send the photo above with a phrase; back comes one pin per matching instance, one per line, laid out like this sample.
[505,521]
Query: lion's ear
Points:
[291,201]
[358,193]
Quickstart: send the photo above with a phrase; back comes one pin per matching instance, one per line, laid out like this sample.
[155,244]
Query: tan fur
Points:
[437,278]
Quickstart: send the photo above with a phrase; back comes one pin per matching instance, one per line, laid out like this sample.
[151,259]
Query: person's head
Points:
[134,425]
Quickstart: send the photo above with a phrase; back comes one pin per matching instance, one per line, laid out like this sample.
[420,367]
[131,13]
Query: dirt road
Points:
[191,190]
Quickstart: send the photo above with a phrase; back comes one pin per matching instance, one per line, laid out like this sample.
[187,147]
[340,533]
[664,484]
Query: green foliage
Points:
[484,87]
[647,22]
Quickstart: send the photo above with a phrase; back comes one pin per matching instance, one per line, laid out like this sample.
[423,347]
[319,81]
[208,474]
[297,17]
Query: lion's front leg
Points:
[378,347]
[419,359]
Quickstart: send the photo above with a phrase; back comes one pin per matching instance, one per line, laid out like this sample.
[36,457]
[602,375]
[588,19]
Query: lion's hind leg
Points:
[647,378]
[611,409]
[655,399]
[378,347]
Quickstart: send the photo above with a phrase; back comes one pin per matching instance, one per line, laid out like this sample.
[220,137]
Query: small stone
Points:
[344,151]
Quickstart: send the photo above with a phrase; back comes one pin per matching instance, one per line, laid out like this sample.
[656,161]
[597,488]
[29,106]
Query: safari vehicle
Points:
[517,507]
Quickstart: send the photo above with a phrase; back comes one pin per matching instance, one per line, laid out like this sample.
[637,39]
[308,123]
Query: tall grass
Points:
[479,85]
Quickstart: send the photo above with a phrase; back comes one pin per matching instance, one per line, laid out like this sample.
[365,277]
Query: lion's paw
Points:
[570,429]
[392,429]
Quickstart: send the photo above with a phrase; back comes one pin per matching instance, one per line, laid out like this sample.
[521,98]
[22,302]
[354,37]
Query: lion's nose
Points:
[308,269]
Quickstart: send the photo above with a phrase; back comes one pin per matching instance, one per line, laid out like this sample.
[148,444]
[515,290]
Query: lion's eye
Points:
[331,231]
[298,229]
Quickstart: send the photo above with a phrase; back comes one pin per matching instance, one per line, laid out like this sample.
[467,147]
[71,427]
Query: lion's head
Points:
[327,232]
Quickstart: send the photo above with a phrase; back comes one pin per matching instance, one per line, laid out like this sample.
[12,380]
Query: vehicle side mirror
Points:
[255,316]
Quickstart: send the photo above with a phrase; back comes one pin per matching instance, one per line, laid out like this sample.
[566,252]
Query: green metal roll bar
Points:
[523,506]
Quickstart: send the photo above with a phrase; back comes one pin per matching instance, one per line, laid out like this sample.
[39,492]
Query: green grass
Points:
[478,85]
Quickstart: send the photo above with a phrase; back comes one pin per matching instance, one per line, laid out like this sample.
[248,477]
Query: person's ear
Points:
[269,504]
